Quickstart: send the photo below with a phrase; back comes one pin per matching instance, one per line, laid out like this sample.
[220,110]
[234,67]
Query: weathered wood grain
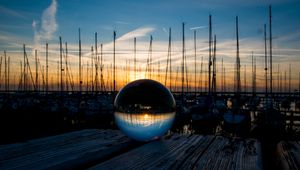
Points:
[110,149]
[288,154]
[66,151]
[190,152]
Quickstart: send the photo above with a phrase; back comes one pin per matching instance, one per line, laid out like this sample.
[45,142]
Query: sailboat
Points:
[205,114]
[271,121]
[237,120]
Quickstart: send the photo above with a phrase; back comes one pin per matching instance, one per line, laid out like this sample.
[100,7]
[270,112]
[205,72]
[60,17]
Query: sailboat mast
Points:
[5,71]
[271,77]
[238,78]
[214,81]
[96,62]
[36,72]
[1,72]
[68,80]
[209,57]
[299,83]
[182,67]
[201,75]
[8,73]
[61,66]
[170,57]
[195,55]
[290,72]
[252,75]
[134,44]
[222,78]
[92,68]
[101,68]
[150,60]
[47,85]
[278,78]
[80,80]
[266,59]
[114,72]
[245,79]
[24,71]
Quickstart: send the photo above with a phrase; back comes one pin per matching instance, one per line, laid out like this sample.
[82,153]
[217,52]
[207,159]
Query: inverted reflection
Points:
[144,109]
[144,126]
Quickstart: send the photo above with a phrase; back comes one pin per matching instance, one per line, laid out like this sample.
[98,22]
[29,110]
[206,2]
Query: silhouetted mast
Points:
[36,72]
[169,66]
[214,77]
[47,85]
[134,60]
[266,59]
[224,80]
[24,71]
[80,80]
[5,71]
[67,77]
[222,76]
[87,76]
[8,72]
[245,80]
[195,55]
[61,66]
[253,75]
[150,57]
[101,68]
[182,68]
[158,70]
[299,83]
[238,66]
[201,74]
[290,78]
[1,71]
[209,57]
[271,77]
[278,78]
[97,63]
[114,72]
[285,83]
[92,68]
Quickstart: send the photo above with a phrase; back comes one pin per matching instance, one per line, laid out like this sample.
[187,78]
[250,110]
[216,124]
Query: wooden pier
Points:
[288,154]
[110,149]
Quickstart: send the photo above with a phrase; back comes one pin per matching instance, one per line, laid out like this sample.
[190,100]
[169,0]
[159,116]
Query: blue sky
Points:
[25,22]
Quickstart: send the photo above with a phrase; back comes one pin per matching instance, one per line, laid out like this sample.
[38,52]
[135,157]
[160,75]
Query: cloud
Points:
[199,27]
[140,32]
[122,22]
[10,12]
[48,25]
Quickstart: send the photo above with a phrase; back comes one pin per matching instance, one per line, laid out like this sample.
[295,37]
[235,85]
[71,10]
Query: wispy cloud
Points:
[199,27]
[48,25]
[122,22]
[11,12]
[140,32]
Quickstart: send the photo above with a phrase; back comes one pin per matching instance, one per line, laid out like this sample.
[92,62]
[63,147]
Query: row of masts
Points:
[97,83]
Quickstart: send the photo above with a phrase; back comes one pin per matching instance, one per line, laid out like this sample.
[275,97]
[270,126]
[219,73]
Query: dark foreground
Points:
[110,149]
[26,121]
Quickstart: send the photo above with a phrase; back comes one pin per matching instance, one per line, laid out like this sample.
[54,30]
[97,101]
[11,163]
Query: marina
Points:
[130,102]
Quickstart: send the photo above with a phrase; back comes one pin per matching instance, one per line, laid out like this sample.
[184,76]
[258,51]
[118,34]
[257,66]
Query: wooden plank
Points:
[225,153]
[288,154]
[144,155]
[68,151]
[16,150]
[190,152]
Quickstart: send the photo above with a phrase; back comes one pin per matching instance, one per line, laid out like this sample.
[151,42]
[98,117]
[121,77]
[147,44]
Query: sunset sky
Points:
[34,23]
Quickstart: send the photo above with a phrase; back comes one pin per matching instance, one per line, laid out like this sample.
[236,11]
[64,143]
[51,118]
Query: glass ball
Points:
[144,109]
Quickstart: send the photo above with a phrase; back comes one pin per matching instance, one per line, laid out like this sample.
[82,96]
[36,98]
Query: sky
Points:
[35,23]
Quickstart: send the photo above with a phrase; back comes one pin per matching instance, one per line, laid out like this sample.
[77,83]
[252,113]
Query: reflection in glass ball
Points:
[144,109]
